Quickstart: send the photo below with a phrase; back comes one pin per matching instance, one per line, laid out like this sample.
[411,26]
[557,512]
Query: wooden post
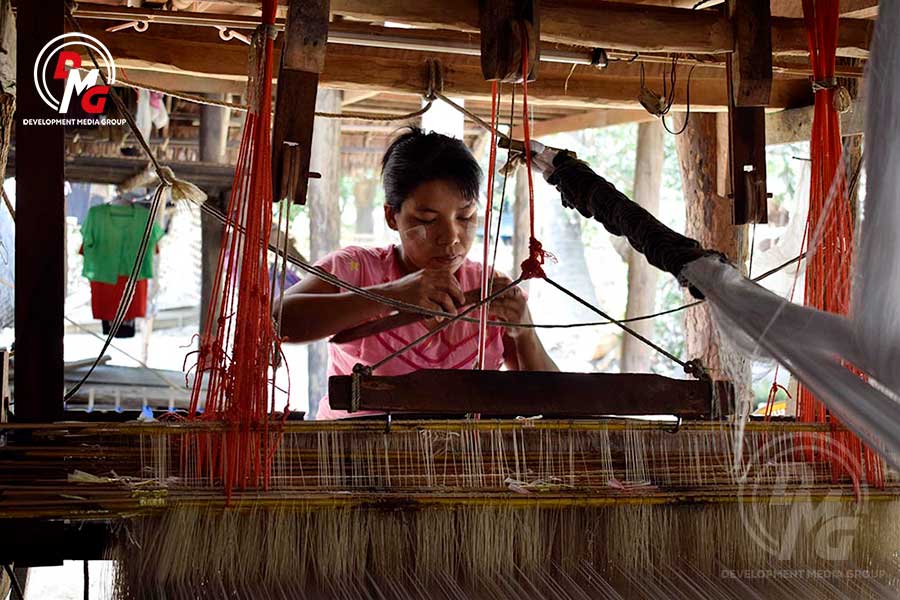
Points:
[709,222]
[306,32]
[40,226]
[642,278]
[7,81]
[213,143]
[324,219]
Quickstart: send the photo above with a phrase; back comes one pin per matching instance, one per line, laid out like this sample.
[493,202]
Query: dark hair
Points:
[416,157]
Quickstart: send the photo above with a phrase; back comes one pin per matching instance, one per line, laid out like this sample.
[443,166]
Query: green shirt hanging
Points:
[111,236]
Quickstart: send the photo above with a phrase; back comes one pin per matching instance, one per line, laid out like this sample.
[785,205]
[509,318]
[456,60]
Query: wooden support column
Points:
[40,226]
[7,81]
[213,142]
[709,222]
[324,219]
[749,74]
[642,278]
[302,59]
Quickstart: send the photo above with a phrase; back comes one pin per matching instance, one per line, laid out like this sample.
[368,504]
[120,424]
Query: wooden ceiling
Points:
[182,50]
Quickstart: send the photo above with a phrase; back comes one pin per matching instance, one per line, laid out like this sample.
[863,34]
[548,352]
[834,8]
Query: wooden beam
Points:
[97,169]
[854,36]
[795,125]
[213,141]
[357,96]
[750,64]
[589,119]
[302,59]
[849,9]
[40,227]
[192,51]
[524,393]
[589,24]
[600,24]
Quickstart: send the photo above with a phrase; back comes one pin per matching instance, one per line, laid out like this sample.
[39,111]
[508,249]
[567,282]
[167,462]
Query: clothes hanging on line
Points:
[105,299]
[111,237]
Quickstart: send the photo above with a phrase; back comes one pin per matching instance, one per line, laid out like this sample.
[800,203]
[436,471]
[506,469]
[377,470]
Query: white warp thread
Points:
[812,344]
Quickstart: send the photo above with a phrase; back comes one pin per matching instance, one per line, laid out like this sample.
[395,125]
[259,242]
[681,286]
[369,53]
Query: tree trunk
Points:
[364,193]
[213,141]
[324,219]
[636,356]
[563,239]
[709,221]
[521,227]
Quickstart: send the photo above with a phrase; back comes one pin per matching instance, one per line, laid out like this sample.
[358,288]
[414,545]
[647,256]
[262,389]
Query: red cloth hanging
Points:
[105,299]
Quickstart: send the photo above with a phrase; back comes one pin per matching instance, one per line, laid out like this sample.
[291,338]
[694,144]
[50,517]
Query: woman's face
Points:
[436,225]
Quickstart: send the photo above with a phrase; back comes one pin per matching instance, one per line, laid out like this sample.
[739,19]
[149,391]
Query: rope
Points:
[533,265]
[414,308]
[486,275]
[350,115]
[144,365]
[130,286]
[689,367]
[166,180]
[8,203]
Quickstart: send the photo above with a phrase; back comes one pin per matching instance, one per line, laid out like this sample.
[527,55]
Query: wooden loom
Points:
[461,509]
[351,507]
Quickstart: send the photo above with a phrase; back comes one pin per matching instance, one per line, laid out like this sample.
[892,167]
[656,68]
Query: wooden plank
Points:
[526,393]
[751,61]
[302,60]
[40,227]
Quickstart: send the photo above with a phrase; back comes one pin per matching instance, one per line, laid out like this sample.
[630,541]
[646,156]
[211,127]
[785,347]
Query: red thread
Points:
[531,266]
[827,285]
[239,345]
[485,272]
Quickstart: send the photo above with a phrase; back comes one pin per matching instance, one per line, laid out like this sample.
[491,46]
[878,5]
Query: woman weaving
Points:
[431,184]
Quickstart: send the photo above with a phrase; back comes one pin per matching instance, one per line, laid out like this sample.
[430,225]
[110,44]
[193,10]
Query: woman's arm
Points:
[526,353]
[522,348]
[314,309]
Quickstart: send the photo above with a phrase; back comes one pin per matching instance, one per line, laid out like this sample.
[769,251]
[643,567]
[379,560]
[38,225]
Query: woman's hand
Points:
[510,307]
[432,289]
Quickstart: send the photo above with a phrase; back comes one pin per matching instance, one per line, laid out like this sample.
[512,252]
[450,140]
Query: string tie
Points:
[532,267]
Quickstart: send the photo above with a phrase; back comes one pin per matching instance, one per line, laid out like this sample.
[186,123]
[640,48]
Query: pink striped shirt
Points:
[455,347]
